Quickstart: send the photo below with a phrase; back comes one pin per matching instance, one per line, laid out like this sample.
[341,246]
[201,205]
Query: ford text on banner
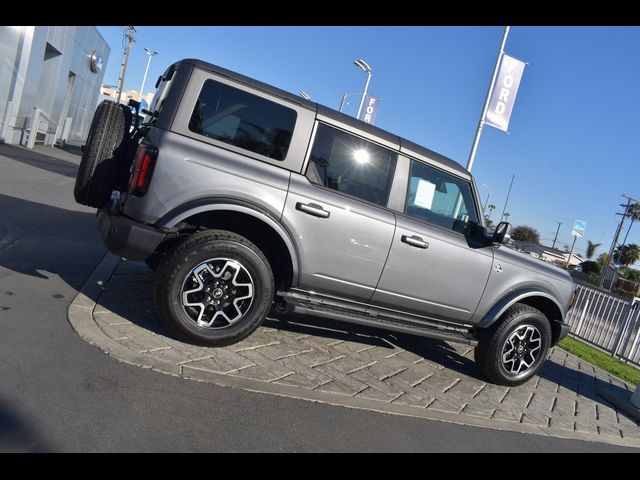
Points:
[504,93]
[369,109]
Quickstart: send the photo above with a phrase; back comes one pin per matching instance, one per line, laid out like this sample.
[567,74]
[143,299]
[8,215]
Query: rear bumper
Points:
[125,237]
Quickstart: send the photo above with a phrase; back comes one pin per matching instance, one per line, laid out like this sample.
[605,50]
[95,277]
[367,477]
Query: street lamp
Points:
[305,95]
[343,102]
[367,69]
[144,79]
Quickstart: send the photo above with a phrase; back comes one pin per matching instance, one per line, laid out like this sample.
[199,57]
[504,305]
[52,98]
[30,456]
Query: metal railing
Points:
[34,128]
[607,321]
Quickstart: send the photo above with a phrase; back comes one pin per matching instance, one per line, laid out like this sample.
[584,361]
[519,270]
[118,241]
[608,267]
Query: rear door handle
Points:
[415,241]
[313,209]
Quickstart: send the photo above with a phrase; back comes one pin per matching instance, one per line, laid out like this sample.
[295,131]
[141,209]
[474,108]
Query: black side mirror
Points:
[502,233]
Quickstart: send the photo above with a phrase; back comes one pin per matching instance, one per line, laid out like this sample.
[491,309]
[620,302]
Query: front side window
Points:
[351,165]
[440,198]
[247,121]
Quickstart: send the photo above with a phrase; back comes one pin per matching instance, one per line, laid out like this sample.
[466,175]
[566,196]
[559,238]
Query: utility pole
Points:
[556,237]
[507,200]
[615,238]
[130,35]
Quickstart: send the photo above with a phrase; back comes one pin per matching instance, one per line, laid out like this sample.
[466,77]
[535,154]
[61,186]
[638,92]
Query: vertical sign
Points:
[369,109]
[578,228]
[504,93]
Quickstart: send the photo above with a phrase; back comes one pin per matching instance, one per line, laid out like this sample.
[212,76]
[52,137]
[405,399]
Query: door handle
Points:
[415,241]
[313,209]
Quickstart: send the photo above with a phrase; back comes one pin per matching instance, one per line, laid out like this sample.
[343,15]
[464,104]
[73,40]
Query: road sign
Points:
[578,228]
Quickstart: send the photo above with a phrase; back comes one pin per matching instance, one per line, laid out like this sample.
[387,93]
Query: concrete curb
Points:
[80,314]
[621,403]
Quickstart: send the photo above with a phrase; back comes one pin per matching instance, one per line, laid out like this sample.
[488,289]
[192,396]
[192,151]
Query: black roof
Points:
[405,145]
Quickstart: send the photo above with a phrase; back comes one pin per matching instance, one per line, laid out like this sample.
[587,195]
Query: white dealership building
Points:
[50,75]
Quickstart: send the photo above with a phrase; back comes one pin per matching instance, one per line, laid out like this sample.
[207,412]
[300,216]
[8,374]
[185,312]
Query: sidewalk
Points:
[325,361]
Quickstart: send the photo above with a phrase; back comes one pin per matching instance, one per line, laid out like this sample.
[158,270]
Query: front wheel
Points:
[514,350]
[213,288]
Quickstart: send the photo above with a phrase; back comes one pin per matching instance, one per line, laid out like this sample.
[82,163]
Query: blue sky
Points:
[573,138]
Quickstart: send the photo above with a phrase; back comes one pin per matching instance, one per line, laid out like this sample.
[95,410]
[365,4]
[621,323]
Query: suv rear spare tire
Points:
[101,159]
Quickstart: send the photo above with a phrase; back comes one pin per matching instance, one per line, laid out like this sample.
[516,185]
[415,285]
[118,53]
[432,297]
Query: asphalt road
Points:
[57,393]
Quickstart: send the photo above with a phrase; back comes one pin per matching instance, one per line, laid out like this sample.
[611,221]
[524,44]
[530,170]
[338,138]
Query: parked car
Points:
[243,197]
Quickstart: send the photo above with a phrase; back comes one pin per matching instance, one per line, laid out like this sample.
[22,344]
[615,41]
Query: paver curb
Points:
[80,314]
[622,403]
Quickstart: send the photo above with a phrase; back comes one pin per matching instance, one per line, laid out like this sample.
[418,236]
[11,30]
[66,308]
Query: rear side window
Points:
[247,121]
[351,165]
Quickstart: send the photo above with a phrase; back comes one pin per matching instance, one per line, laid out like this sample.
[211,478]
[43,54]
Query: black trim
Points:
[564,329]
[213,200]
[304,302]
[127,238]
[217,200]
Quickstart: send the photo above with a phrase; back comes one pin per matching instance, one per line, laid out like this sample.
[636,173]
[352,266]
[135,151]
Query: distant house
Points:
[548,254]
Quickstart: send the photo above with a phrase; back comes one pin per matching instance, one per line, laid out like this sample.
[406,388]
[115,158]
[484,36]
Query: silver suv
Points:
[243,197]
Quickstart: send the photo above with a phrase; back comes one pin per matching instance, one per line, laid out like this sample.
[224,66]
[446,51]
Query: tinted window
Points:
[351,165]
[439,198]
[242,119]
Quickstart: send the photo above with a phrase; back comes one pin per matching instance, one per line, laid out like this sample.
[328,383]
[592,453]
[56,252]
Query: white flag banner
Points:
[504,92]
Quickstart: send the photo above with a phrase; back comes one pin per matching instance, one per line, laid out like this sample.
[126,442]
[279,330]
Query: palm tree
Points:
[633,212]
[491,208]
[591,249]
[627,254]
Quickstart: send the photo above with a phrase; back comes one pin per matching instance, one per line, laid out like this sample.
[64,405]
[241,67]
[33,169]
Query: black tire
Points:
[176,270]
[153,260]
[101,160]
[500,338]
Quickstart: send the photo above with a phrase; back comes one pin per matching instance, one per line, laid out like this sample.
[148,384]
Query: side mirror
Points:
[502,233]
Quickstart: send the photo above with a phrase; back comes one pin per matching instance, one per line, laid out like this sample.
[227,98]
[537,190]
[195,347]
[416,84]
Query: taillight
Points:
[141,169]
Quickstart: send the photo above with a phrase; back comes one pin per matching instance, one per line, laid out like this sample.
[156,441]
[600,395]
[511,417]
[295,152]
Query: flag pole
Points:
[474,147]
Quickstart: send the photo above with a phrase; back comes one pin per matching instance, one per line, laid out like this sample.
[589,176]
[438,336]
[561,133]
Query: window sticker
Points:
[424,194]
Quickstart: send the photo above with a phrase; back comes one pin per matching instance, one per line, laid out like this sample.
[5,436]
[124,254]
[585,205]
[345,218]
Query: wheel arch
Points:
[538,299]
[255,223]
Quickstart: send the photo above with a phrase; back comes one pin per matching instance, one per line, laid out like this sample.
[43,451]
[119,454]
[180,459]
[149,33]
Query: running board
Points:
[306,303]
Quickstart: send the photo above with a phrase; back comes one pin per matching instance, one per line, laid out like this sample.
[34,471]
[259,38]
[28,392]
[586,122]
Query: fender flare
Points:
[179,214]
[510,299]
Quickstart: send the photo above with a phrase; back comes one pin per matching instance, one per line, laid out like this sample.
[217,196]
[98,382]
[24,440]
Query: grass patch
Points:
[600,359]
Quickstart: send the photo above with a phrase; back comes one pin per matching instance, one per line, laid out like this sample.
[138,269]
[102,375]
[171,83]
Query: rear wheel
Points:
[102,155]
[514,350]
[213,288]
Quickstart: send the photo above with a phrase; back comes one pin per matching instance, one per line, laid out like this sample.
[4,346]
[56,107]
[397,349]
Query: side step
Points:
[307,303]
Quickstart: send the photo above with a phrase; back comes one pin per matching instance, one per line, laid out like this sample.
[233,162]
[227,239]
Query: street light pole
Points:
[367,69]
[343,102]
[486,202]
[476,139]
[130,34]
[507,200]
[144,79]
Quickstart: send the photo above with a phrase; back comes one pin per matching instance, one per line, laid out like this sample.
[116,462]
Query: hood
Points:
[525,260]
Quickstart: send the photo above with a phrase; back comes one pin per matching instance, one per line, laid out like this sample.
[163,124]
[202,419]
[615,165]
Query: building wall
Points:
[51,58]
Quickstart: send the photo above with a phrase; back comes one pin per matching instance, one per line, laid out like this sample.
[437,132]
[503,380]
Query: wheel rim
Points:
[521,350]
[217,293]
